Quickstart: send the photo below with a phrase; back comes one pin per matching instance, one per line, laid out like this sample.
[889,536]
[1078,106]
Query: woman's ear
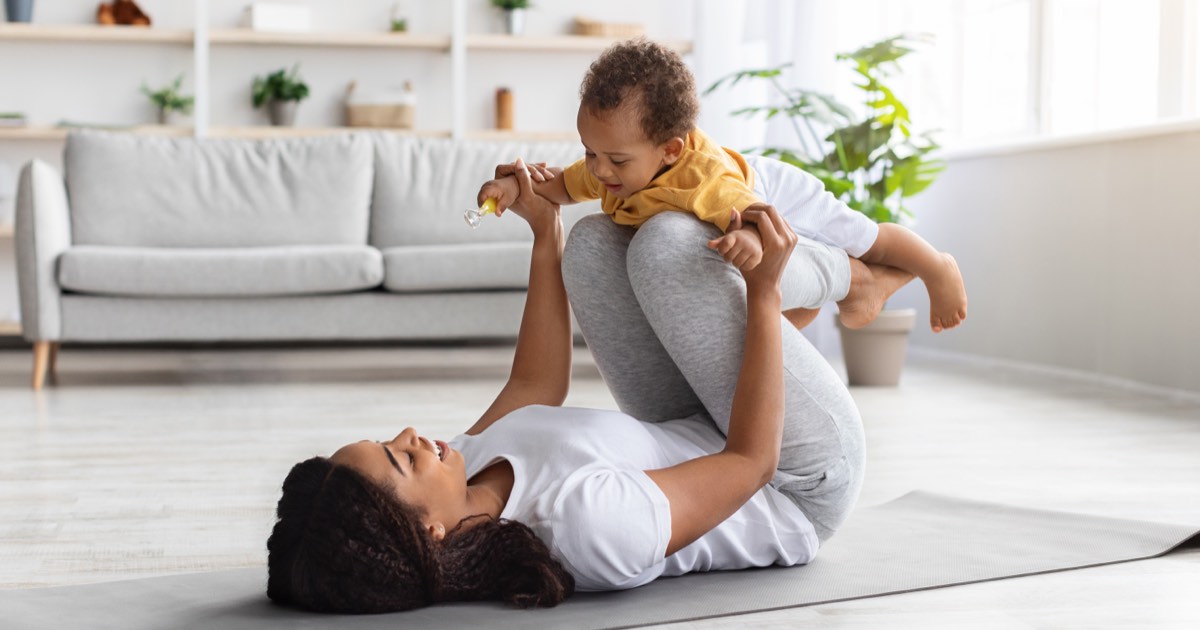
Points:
[672,149]
[437,531]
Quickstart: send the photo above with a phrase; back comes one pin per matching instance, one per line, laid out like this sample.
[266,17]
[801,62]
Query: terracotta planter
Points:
[875,353]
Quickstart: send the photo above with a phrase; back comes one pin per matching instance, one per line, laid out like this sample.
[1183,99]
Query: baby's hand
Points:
[503,189]
[741,245]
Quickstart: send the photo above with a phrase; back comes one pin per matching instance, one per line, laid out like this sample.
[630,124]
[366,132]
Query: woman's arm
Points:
[705,491]
[541,370]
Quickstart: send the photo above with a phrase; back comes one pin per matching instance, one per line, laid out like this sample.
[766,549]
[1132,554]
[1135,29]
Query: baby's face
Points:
[619,154]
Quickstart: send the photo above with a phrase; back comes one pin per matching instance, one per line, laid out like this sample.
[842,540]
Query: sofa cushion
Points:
[210,272]
[423,185]
[147,191]
[480,266]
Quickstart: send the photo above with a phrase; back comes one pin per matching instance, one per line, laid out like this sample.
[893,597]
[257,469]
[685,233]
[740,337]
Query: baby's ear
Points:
[672,149]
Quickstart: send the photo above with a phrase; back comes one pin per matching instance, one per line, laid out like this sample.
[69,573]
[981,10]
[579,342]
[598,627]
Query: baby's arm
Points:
[504,189]
[897,246]
[741,245]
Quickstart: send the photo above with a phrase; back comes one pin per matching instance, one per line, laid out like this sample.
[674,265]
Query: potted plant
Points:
[281,91]
[872,163]
[514,14]
[170,101]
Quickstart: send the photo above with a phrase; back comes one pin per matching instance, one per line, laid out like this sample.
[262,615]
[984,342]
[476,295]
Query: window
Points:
[1003,69]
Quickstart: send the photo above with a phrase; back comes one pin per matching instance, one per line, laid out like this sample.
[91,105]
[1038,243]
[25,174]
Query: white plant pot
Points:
[514,21]
[874,354]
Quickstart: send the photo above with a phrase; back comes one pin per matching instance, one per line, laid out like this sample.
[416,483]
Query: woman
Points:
[726,459]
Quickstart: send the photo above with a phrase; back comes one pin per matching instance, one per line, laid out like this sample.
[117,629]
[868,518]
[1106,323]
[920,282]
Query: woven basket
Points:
[592,28]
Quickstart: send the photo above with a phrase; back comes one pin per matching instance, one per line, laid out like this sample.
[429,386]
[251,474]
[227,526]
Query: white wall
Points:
[1081,256]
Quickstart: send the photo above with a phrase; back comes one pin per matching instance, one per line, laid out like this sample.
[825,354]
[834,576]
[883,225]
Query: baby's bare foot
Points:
[870,287]
[801,317]
[947,296]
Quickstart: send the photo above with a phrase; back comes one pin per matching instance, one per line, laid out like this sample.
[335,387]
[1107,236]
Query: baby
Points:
[644,155]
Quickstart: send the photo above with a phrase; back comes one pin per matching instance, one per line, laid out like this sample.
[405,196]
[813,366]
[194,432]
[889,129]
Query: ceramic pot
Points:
[514,21]
[875,353]
[282,113]
[19,10]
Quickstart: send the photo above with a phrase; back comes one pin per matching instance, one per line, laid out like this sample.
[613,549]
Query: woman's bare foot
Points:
[801,317]
[947,296]
[870,287]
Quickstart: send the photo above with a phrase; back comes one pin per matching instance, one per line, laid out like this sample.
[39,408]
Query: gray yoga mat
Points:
[918,541]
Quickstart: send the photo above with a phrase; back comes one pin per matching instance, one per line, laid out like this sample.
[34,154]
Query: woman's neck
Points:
[488,491]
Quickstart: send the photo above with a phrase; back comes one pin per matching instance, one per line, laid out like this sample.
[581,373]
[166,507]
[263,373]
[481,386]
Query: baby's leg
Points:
[870,288]
[897,246]
[947,295]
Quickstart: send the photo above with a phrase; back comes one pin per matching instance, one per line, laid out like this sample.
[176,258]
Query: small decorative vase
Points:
[514,21]
[19,10]
[282,113]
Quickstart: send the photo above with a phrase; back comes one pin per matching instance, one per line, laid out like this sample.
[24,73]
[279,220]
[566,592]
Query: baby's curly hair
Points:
[655,76]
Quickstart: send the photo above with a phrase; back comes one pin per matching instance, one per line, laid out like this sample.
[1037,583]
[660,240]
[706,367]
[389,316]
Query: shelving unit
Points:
[10,329]
[456,44]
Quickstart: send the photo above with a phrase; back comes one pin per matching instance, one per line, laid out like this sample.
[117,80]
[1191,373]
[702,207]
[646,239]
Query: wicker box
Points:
[394,110]
[592,28]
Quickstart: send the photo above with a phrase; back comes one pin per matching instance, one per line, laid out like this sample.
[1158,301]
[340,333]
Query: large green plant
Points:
[873,163]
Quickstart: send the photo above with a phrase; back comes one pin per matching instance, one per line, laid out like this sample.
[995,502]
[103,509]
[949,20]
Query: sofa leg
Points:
[41,361]
[53,367]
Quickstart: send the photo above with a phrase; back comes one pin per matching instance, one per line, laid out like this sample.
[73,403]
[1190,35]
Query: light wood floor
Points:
[147,462]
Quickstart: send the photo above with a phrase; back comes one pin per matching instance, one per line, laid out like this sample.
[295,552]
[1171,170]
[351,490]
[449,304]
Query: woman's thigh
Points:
[695,303]
[641,376]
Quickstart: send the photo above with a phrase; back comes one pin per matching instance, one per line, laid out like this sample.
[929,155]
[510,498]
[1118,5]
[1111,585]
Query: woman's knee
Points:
[592,246]
[672,243]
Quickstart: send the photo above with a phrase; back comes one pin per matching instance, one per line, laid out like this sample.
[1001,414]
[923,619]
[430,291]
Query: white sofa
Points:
[346,237]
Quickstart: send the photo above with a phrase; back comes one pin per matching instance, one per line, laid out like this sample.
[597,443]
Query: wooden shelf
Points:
[32,132]
[56,133]
[6,231]
[264,131]
[556,43]
[93,33]
[245,36]
[535,136]
[8,328]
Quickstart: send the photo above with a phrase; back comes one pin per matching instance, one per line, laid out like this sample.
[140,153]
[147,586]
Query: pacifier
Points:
[472,216]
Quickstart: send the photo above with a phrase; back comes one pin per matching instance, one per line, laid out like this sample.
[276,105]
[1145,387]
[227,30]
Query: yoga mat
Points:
[919,541]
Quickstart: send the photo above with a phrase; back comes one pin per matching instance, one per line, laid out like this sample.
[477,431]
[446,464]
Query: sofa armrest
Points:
[43,232]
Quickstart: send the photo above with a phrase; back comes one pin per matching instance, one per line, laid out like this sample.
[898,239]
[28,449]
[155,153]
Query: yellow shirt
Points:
[707,180]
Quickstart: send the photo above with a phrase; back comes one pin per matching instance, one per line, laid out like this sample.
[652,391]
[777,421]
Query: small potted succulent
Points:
[170,101]
[514,14]
[281,91]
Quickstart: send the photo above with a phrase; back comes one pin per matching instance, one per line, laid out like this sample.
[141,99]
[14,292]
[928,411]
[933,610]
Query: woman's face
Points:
[425,474]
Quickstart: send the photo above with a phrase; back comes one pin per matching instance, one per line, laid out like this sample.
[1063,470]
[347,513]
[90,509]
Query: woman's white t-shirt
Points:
[580,484]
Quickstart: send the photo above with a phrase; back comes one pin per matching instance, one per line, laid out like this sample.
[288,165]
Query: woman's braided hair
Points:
[342,544]
[650,77]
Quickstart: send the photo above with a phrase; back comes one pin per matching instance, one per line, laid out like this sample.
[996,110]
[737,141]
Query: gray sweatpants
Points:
[665,319]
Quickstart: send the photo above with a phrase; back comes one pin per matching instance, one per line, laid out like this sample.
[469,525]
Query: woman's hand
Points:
[778,241]
[538,211]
